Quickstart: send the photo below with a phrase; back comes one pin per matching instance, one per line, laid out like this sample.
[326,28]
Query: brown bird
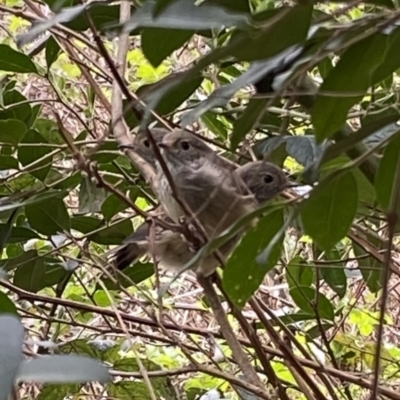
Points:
[264,180]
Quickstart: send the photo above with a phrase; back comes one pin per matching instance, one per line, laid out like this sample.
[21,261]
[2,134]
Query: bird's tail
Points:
[134,247]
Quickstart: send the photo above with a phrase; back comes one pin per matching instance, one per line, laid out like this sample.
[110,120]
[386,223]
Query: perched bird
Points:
[142,145]
[215,194]
[265,181]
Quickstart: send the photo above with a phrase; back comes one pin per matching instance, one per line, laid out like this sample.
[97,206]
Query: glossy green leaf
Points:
[240,6]
[14,61]
[114,234]
[299,273]
[6,305]
[52,51]
[49,130]
[48,217]
[12,131]
[53,274]
[135,274]
[6,232]
[158,44]
[35,154]
[380,127]
[241,282]
[11,263]
[214,124]
[17,107]
[85,224]
[29,276]
[334,274]
[222,95]
[329,211]
[371,269]
[8,162]
[7,204]
[309,301]
[102,15]
[112,205]
[386,180]
[352,74]
[91,197]
[248,120]
[183,14]
[276,37]
[19,234]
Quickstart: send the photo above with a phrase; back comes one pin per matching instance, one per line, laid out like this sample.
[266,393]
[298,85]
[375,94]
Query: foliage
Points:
[309,86]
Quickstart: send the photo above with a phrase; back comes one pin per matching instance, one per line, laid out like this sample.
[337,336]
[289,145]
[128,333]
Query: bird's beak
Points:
[162,145]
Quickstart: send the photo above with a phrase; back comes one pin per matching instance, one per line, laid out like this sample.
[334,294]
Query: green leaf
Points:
[392,60]
[371,269]
[105,153]
[386,179]
[18,234]
[112,205]
[353,73]
[248,120]
[115,234]
[276,37]
[53,274]
[85,224]
[11,263]
[12,131]
[222,95]
[6,305]
[334,274]
[52,51]
[57,391]
[17,107]
[214,124]
[15,202]
[136,273]
[29,276]
[307,299]
[174,97]
[49,130]
[243,275]
[386,124]
[299,273]
[5,234]
[48,217]
[8,162]
[329,211]
[240,6]
[91,197]
[32,154]
[14,61]
[103,15]
[158,44]
[183,14]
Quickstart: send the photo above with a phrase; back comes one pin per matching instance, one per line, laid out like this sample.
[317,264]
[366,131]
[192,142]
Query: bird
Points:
[264,179]
[214,193]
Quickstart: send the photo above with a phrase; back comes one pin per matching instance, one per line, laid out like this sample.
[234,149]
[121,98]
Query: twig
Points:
[237,351]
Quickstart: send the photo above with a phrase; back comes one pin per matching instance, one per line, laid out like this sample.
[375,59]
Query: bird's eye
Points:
[268,178]
[146,143]
[185,145]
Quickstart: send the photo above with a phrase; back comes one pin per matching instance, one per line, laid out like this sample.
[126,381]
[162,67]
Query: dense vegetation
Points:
[312,87]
